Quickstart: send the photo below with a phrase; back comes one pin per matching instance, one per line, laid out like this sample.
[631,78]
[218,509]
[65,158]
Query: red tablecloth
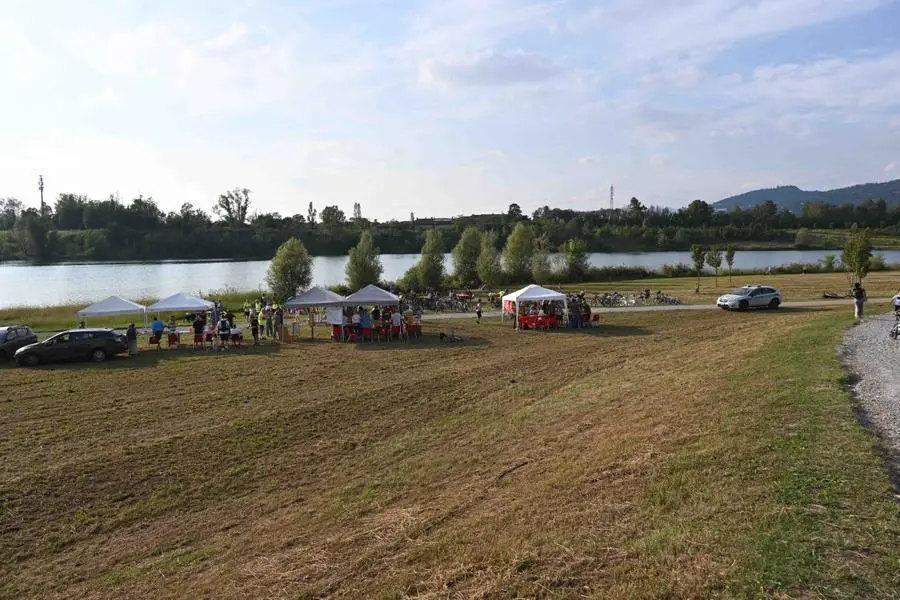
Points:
[537,321]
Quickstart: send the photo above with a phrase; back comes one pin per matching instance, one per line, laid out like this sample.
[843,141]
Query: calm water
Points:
[22,284]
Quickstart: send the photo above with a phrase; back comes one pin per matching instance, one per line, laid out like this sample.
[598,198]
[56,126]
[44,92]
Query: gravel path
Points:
[871,357]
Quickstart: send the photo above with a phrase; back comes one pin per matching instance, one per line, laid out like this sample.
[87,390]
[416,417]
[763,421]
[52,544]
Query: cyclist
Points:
[896,301]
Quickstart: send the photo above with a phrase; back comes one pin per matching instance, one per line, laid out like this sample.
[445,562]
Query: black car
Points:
[14,337]
[74,344]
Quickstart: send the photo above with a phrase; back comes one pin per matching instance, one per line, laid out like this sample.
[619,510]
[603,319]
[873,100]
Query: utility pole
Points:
[41,187]
[612,196]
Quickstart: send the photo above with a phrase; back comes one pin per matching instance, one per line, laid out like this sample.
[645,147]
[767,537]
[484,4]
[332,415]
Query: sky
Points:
[445,108]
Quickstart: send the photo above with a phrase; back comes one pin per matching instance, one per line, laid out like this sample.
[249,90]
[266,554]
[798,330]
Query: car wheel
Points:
[775,303]
[893,333]
[743,305]
[30,360]
[98,355]
[3,356]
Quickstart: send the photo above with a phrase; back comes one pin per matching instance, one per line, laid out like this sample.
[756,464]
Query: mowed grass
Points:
[666,455]
[794,288]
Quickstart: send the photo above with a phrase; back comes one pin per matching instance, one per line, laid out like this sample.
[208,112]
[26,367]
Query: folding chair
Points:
[174,340]
[155,341]
[199,340]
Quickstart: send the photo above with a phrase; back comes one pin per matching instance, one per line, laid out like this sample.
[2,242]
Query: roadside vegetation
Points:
[560,464]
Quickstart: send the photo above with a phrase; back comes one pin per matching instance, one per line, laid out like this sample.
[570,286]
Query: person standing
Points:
[478,312]
[859,299]
[131,338]
[267,313]
[224,331]
[254,327]
[279,321]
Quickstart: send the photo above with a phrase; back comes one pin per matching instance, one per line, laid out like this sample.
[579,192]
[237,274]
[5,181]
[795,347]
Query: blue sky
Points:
[446,108]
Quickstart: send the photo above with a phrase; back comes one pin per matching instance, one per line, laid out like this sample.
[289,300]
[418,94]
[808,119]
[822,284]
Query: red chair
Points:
[367,332]
[174,340]
[199,340]
[335,332]
[155,341]
[396,331]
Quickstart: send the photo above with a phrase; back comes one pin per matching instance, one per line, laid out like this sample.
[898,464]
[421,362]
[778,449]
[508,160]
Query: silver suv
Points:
[750,296]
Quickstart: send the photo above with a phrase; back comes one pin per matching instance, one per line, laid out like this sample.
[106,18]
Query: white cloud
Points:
[229,38]
[587,160]
[891,167]
[649,29]
[108,97]
[488,68]
[828,83]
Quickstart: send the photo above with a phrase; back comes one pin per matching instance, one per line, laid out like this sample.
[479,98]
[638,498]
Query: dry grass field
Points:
[664,455]
[882,284]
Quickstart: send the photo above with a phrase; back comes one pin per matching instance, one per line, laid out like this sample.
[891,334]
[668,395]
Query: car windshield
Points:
[2,336]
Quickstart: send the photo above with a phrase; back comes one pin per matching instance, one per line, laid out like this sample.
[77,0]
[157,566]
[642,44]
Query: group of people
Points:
[359,318]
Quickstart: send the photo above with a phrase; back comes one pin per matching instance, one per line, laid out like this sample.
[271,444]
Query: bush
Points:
[676,270]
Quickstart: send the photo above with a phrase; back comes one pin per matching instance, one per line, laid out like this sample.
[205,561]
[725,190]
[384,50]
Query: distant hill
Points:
[793,198]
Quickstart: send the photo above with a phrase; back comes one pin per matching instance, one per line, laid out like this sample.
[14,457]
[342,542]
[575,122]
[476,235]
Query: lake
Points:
[22,284]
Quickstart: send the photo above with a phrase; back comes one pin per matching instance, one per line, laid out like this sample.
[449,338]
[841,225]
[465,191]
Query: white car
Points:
[750,296]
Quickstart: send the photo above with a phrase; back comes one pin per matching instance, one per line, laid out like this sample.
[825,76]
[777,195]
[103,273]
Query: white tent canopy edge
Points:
[532,293]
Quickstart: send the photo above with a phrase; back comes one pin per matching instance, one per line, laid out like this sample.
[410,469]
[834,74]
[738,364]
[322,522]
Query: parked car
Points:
[74,344]
[13,337]
[750,296]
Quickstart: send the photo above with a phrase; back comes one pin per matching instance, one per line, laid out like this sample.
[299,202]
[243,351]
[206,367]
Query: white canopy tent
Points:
[177,302]
[531,293]
[114,305]
[314,296]
[371,295]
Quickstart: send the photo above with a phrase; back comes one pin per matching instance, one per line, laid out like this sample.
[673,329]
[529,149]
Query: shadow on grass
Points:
[427,341]
[149,358]
[604,330]
[788,310]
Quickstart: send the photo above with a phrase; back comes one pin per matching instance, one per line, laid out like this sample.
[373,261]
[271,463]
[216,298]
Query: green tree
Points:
[714,259]
[857,254]
[465,256]
[32,234]
[698,255]
[488,266]
[828,262]
[311,215]
[364,263]
[232,206]
[517,252]
[430,269]
[729,258]
[291,270]
[332,216]
[803,238]
[540,260]
[576,259]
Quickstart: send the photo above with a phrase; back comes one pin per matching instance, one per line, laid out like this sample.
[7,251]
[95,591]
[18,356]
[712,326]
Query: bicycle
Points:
[894,333]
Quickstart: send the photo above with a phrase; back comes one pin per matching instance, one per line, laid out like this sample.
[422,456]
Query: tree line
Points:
[77,227]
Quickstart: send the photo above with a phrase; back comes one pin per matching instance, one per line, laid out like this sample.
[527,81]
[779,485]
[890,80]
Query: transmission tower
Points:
[612,198]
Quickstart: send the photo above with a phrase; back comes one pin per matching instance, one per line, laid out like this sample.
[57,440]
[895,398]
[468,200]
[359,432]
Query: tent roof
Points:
[180,302]
[371,295]
[113,305]
[314,296]
[533,293]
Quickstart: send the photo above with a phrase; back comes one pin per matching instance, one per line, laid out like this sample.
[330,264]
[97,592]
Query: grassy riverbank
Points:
[882,284]
[640,460]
